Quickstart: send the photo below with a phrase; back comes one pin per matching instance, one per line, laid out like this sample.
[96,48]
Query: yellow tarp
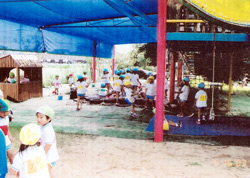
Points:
[235,11]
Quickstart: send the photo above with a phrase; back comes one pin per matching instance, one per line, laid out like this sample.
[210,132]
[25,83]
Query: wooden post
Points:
[18,83]
[161,65]
[172,80]
[94,63]
[230,82]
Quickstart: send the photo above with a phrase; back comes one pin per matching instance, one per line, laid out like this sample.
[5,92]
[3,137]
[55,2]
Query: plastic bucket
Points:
[93,85]
[60,97]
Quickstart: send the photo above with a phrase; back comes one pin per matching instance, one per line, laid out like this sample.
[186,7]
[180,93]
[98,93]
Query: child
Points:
[81,86]
[127,75]
[44,116]
[4,125]
[184,95]
[200,102]
[56,84]
[30,161]
[134,77]
[71,80]
[11,78]
[122,85]
[117,88]
[26,79]
[129,97]
[105,79]
[150,92]
[102,93]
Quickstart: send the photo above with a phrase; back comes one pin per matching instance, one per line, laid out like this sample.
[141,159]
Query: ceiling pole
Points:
[113,61]
[161,66]
[94,63]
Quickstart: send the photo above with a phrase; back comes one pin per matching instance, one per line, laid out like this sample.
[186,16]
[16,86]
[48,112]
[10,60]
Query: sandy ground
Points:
[98,156]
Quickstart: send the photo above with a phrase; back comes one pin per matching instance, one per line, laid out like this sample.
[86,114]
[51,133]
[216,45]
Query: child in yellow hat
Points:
[30,161]
[129,97]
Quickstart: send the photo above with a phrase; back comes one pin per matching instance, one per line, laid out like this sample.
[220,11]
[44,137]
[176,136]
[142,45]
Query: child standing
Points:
[201,102]
[56,84]
[150,92]
[134,77]
[30,161]
[81,87]
[71,80]
[4,126]
[184,95]
[44,116]
[127,75]
[105,79]
[129,97]
[117,88]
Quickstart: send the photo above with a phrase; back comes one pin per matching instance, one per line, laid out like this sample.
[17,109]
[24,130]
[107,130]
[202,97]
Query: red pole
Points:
[161,65]
[94,63]
[179,75]
[172,79]
[113,62]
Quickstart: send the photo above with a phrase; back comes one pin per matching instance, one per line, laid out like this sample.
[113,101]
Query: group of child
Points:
[38,153]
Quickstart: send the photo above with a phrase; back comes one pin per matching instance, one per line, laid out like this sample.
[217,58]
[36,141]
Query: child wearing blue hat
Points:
[117,86]
[105,79]
[183,95]
[102,92]
[200,102]
[81,88]
[4,126]
[127,75]
[134,77]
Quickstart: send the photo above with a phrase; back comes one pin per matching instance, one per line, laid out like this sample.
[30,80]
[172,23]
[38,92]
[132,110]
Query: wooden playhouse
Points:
[30,66]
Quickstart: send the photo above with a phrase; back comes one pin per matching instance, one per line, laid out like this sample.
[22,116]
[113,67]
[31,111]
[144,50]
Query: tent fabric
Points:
[72,26]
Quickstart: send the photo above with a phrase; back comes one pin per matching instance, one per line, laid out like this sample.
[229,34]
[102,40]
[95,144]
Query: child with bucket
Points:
[81,88]
[56,83]
[30,161]
[44,116]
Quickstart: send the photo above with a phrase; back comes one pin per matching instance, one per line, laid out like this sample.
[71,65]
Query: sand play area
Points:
[102,141]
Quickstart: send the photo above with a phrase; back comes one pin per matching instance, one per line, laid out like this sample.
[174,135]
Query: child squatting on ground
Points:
[4,126]
[129,97]
[81,87]
[48,137]
[200,102]
[30,161]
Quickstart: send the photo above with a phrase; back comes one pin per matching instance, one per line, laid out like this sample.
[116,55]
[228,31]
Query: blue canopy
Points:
[73,26]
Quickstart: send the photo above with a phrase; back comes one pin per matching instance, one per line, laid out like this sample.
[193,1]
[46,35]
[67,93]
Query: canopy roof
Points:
[72,26]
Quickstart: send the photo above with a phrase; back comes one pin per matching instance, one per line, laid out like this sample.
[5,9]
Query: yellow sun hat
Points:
[151,77]
[30,134]
[128,82]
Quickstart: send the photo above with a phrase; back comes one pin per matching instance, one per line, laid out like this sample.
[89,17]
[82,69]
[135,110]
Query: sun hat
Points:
[122,76]
[120,70]
[46,110]
[30,134]
[201,85]
[128,82]
[151,77]
[135,69]
[70,75]
[84,72]
[186,79]
[105,70]
[128,70]
[79,77]
[150,73]
[4,105]
[12,74]
[102,84]
[56,75]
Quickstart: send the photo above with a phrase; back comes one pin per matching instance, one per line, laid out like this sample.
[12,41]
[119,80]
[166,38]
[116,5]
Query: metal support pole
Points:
[161,65]
[113,61]
[94,63]
[172,80]
[179,75]
[230,82]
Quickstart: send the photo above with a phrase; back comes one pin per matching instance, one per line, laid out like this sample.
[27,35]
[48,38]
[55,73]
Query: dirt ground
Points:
[93,154]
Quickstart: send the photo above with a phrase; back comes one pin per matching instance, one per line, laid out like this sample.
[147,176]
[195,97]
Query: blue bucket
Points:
[60,97]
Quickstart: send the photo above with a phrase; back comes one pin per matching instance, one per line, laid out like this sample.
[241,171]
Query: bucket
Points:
[93,85]
[60,97]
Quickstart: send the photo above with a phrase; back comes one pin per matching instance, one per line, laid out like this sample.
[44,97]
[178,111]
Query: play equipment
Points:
[3,156]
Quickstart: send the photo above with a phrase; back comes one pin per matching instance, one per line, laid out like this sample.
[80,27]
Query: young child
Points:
[56,84]
[81,87]
[122,85]
[44,116]
[26,79]
[11,78]
[184,95]
[30,161]
[102,92]
[4,126]
[134,77]
[105,79]
[71,80]
[127,75]
[129,97]
[117,88]
[150,92]
[200,102]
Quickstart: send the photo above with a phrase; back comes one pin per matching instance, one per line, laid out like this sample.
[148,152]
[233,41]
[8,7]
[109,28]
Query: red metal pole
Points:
[113,62]
[179,75]
[94,63]
[161,65]
[172,80]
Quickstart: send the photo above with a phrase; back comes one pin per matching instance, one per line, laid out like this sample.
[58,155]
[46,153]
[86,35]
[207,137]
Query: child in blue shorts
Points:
[129,97]
[81,87]
[150,92]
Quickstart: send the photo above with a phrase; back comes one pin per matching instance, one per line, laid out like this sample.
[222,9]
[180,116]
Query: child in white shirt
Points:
[105,79]
[102,92]
[117,86]
[81,87]
[129,97]
[184,95]
[30,161]
[134,77]
[56,84]
[48,137]
[150,92]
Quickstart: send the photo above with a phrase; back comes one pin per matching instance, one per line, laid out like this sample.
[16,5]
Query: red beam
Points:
[94,63]
[161,66]
[113,62]
[172,80]
[179,75]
